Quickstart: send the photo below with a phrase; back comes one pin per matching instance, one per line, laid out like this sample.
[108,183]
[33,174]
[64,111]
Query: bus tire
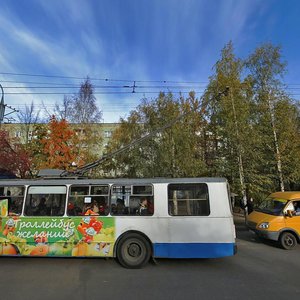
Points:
[133,251]
[288,240]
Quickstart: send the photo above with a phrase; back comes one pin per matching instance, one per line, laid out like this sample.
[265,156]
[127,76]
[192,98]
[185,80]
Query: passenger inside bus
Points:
[14,207]
[143,209]
[102,206]
[120,206]
[95,207]
[73,210]
[41,208]
[113,209]
[87,207]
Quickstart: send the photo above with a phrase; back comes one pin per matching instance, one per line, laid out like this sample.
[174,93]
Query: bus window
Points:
[88,199]
[188,199]
[132,200]
[99,194]
[146,190]
[119,201]
[15,196]
[76,200]
[45,201]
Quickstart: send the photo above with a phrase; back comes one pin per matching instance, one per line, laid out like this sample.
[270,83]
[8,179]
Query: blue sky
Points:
[147,41]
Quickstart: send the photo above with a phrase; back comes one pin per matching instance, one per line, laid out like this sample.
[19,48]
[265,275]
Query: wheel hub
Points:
[289,241]
[134,250]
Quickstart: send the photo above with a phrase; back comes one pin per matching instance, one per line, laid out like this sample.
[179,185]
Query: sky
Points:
[48,48]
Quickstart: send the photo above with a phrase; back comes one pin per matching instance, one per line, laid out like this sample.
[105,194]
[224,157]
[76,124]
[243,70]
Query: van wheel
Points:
[133,251]
[287,241]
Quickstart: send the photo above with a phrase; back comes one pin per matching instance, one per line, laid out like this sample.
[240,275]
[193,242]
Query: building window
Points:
[107,133]
[18,134]
[30,135]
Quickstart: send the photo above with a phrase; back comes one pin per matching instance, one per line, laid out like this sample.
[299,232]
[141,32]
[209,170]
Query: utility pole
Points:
[3,106]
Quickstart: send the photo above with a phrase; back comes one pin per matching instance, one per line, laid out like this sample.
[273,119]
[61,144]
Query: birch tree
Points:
[229,113]
[266,72]
[28,117]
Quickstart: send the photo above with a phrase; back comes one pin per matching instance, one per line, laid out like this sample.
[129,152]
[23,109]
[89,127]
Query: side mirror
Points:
[289,213]
[3,208]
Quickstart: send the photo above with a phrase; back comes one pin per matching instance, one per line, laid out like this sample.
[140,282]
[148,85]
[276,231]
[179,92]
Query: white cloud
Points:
[165,40]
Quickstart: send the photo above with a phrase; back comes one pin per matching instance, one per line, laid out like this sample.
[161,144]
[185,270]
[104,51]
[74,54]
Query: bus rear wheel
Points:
[133,251]
[288,241]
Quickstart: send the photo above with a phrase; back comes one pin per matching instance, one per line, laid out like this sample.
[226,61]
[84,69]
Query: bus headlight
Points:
[264,225]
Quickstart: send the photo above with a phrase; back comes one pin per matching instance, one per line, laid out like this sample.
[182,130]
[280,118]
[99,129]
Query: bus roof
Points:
[286,195]
[124,181]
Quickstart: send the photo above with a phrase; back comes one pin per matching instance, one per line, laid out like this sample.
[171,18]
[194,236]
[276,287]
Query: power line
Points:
[37,82]
[108,79]
[99,93]
[165,86]
[106,87]
[46,76]
[99,79]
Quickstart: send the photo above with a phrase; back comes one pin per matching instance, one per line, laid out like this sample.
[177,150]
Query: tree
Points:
[287,125]
[228,114]
[270,106]
[13,157]
[36,149]
[84,108]
[166,153]
[27,118]
[60,146]
[80,108]
[64,111]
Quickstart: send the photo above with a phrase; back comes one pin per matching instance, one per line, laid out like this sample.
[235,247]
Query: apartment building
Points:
[103,131]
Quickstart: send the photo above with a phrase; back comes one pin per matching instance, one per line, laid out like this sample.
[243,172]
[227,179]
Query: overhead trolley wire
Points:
[163,86]
[100,79]
[105,87]
[99,93]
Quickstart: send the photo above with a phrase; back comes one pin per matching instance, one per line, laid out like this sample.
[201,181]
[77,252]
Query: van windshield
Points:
[272,206]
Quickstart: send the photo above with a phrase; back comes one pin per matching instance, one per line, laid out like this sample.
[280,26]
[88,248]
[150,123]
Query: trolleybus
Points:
[130,219]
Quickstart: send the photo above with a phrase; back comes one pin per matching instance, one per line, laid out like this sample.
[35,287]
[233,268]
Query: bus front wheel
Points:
[287,240]
[133,251]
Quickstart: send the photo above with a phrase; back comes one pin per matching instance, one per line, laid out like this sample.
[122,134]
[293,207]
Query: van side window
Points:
[189,199]
[45,201]
[296,207]
[15,197]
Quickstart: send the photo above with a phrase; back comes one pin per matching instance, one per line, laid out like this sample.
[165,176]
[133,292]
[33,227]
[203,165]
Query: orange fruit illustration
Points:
[40,250]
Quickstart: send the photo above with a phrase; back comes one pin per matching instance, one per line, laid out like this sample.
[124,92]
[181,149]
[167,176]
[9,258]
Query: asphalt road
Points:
[259,271]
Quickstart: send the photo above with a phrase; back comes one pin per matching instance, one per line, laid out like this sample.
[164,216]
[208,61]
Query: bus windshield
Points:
[272,206]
